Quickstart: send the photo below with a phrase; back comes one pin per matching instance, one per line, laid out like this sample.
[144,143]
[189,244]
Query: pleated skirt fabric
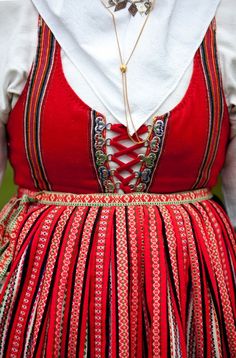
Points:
[128,279]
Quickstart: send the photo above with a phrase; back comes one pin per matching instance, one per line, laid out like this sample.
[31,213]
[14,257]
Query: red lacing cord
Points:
[123,150]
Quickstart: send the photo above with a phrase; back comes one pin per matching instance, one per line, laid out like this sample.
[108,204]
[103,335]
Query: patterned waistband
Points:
[104,199]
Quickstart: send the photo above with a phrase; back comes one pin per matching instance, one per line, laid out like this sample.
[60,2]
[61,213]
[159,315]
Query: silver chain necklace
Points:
[143,7]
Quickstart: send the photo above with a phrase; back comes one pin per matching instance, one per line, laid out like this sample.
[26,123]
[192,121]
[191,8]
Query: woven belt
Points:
[104,199]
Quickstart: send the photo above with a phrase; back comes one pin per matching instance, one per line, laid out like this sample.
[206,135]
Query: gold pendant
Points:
[123,68]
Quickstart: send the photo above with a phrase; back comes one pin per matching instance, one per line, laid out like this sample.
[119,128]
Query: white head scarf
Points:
[173,33]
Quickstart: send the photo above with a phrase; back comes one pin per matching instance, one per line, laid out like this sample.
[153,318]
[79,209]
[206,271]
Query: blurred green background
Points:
[8,188]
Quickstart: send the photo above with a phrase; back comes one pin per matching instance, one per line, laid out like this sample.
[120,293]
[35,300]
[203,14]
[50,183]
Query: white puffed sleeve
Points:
[18,43]
[226,40]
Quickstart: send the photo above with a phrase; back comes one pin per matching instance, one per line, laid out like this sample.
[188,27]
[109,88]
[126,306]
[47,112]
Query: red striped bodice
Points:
[57,142]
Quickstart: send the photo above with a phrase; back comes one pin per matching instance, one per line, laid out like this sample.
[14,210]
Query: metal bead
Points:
[159,128]
[154,144]
[146,175]
[109,186]
[140,187]
[99,141]
[104,172]
[101,157]
[123,68]
[133,9]
[121,5]
[150,160]
[100,124]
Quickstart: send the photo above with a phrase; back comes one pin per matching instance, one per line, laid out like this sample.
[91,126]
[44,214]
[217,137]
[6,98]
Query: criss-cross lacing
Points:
[121,150]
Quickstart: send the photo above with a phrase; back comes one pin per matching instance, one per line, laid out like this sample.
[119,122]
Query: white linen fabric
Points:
[161,64]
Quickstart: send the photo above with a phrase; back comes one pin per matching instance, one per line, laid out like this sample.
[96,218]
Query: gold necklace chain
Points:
[123,69]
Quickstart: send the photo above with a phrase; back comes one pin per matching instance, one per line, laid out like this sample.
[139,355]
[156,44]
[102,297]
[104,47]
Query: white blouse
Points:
[18,42]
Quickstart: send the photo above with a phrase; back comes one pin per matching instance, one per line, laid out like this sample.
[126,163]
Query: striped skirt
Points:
[110,275]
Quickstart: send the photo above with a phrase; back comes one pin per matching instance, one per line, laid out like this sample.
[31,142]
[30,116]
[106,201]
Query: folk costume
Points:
[114,247]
